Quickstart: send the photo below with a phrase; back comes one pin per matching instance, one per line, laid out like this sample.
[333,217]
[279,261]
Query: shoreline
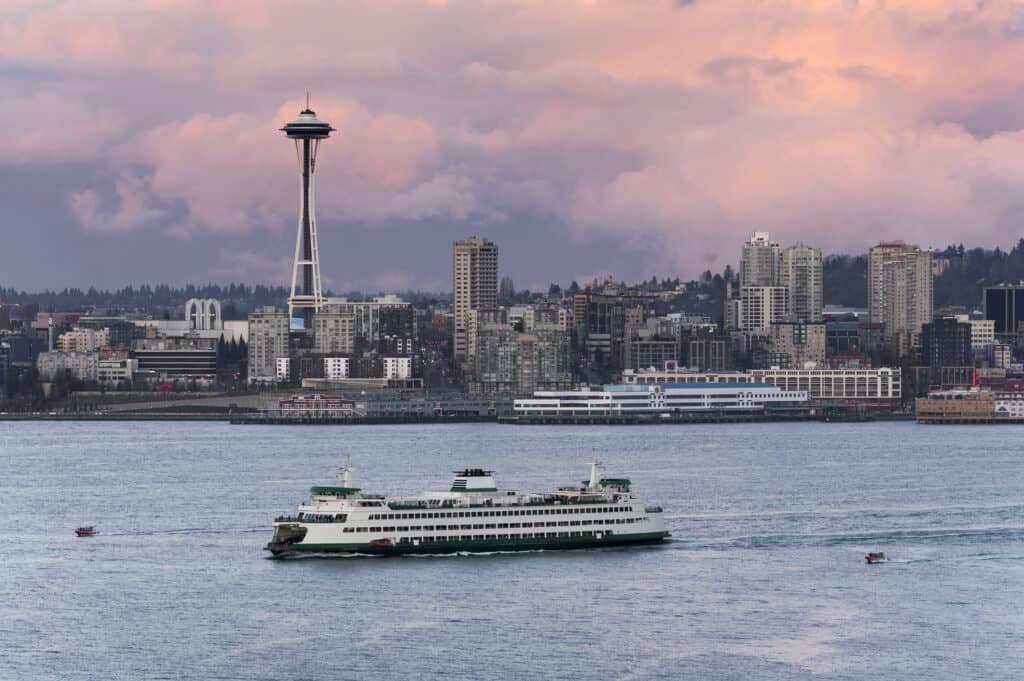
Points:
[236,419]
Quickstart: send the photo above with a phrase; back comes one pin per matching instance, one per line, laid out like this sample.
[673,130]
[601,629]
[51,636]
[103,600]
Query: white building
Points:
[203,314]
[760,307]
[983,331]
[336,368]
[619,400]
[284,369]
[78,365]
[114,371]
[397,367]
[1010,404]
[879,387]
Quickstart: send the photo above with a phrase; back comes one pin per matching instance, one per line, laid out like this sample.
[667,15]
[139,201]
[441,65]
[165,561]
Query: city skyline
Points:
[607,147]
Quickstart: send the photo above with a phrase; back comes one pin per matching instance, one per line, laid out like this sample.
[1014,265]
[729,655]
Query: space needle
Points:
[307,131]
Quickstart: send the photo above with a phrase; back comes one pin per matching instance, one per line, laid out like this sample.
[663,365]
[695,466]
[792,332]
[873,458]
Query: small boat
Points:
[875,557]
[381,543]
[87,531]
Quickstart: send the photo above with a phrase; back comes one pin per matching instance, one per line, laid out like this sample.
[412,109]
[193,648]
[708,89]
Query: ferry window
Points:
[389,529]
[375,529]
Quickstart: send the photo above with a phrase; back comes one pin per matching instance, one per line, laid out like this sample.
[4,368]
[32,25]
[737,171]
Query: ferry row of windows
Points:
[484,537]
[496,526]
[573,510]
[322,517]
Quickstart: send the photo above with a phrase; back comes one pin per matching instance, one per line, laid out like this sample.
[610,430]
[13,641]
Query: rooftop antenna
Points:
[307,100]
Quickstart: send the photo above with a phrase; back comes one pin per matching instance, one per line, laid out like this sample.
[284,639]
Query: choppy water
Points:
[764,578]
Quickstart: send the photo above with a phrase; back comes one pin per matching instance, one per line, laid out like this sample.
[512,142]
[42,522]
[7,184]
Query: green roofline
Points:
[327,489]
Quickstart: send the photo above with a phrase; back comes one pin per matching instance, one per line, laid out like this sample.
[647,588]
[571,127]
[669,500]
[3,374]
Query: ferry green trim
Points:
[328,490]
[475,545]
[473,489]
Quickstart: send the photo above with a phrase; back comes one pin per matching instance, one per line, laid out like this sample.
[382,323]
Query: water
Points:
[764,578]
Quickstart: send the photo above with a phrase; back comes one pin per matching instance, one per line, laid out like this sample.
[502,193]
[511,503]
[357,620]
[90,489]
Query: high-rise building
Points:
[760,307]
[1004,304]
[800,275]
[306,131]
[900,292]
[268,342]
[474,285]
[945,344]
[759,264]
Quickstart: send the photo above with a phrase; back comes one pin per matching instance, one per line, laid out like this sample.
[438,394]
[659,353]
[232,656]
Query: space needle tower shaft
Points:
[307,292]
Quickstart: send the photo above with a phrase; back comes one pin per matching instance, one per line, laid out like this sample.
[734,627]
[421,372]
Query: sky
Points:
[588,138]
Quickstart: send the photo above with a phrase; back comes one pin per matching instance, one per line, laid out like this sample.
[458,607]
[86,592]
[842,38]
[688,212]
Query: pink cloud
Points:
[682,126]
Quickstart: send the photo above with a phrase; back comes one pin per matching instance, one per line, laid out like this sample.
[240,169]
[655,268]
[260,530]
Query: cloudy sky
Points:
[140,138]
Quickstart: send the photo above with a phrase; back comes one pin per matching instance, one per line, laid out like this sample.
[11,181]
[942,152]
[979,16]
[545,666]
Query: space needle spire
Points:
[307,293]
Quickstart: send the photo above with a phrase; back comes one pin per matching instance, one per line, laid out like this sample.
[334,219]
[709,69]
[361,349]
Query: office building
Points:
[114,371]
[708,350]
[474,284]
[171,358]
[945,342]
[1004,306]
[900,292]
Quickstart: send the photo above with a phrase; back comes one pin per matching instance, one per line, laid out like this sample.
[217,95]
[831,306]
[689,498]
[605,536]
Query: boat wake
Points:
[871,538]
[185,530]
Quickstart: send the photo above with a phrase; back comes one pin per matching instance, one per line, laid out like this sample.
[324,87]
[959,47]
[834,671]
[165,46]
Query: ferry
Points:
[472,516]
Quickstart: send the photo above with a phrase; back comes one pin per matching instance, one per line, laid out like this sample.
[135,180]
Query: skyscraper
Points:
[800,275]
[900,292]
[759,264]
[474,285]
[307,131]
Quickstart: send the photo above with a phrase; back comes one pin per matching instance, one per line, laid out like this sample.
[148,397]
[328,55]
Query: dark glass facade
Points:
[1005,306]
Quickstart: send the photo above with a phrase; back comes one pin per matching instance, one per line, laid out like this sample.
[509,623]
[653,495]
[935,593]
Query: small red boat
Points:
[88,531]
[875,557]
[381,543]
